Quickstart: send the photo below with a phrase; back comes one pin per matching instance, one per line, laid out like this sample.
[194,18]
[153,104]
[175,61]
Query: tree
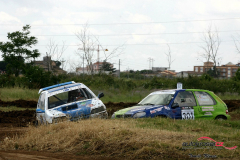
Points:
[17,50]
[89,44]
[238,74]
[54,51]
[213,72]
[169,57]
[237,43]
[107,67]
[211,46]
[3,65]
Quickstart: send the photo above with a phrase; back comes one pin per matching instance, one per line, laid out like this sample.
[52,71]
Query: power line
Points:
[137,34]
[144,44]
[199,20]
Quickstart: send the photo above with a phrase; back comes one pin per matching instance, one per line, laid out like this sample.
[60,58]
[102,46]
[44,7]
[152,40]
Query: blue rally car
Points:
[68,101]
[178,104]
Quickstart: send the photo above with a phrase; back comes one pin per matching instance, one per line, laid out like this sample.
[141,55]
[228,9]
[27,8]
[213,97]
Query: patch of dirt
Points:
[113,107]
[37,155]
[232,104]
[17,118]
[19,103]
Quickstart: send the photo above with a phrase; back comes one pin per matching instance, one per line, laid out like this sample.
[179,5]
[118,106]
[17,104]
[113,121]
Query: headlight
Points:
[113,116]
[139,114]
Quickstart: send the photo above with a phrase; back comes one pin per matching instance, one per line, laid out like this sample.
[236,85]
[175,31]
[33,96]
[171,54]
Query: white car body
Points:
[71,101]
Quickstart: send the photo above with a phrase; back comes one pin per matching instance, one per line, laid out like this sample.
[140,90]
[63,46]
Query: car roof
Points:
[61,86]
[175,90]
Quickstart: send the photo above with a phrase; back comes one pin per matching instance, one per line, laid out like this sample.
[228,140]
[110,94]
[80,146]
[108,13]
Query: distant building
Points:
[185,74]
[48,65]
[95,66]
[159,69]
[226,71]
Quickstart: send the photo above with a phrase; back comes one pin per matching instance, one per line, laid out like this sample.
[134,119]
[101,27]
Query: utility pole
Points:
[128,71]
[150,62]
[98,57]
[83,65]
[119,68]
[62,63]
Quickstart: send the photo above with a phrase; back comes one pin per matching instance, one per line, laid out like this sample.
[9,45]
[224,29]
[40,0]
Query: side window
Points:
[89,95]
[76,95]
[204,99]
[42,102]
[185,99]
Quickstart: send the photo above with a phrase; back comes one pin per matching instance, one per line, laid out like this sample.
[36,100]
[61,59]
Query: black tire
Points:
[221,118]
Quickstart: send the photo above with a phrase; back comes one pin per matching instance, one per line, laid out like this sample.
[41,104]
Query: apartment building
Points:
[226,71]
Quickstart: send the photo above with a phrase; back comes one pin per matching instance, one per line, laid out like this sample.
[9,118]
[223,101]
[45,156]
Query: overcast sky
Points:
[143,27]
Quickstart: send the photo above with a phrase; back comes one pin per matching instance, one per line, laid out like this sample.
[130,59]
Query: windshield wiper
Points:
[148,104]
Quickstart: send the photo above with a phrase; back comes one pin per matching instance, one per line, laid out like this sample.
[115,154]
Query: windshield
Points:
[157,99]
[66,97]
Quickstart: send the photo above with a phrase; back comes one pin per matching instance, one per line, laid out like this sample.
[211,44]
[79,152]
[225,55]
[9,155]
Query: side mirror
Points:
[175,105]
[100,95]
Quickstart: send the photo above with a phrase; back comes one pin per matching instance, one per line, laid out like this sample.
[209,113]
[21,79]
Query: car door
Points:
[186,104]
[80,101]
[206,104]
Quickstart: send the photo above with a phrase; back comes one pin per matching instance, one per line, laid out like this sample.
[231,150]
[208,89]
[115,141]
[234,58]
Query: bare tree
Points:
[237,43]
[169,57]
[54,51]
[89,44]
[211,46]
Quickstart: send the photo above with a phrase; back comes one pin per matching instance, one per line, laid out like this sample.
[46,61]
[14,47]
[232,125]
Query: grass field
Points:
[151,138]
[111,94]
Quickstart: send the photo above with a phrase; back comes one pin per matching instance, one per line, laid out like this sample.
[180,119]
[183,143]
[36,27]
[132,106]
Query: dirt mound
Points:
[113,107]
[17,118]
[232,104]
[19,103]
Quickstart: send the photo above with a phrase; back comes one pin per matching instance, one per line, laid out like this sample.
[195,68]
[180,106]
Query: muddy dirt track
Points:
[26,117]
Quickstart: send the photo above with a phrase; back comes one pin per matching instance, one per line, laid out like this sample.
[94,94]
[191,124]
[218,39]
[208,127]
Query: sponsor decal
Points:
[205,145]
[207,109]
[167,108]
[90,105]
[208,114]
[152,111]
[218,144]
[187,108]
[202,156]
[156,110]
[82,103]
[187,113]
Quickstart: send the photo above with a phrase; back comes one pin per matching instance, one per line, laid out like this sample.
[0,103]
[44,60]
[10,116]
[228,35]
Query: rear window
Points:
[185,99]
[204,99]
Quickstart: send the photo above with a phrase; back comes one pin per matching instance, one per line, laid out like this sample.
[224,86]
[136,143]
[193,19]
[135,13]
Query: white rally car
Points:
[71,101]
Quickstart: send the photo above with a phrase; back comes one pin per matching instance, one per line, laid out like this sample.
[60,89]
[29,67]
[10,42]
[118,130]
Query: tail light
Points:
[227,111]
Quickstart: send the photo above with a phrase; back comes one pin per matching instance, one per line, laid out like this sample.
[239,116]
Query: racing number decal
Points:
[188,114]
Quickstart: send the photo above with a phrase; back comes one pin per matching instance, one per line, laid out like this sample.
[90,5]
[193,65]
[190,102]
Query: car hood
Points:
[135,109]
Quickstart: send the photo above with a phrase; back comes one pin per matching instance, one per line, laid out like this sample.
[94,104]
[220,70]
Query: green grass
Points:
[11,94]
[110,94]
[229,96]
[116,95]
[13,108]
